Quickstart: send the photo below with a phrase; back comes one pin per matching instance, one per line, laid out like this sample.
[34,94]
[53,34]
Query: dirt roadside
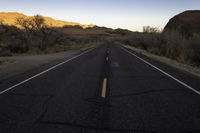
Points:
[14,65]
[165,60]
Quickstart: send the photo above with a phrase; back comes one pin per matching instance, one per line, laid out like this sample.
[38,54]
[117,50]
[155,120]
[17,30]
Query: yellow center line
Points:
[107,58]
[104,87]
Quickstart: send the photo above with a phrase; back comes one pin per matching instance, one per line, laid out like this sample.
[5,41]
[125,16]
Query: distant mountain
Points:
[9,18]
[186,23]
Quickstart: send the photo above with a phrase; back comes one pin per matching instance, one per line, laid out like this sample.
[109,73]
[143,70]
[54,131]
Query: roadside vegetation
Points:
[171,44]
[38,34]
[33,35]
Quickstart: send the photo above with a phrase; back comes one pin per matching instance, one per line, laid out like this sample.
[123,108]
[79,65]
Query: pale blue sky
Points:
[129,14]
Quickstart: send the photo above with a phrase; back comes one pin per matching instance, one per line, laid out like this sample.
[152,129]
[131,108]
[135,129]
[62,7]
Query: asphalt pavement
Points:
[108,89]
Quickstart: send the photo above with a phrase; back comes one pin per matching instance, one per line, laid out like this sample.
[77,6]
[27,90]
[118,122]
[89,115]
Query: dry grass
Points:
[181,66]
[35,37]
[170,44]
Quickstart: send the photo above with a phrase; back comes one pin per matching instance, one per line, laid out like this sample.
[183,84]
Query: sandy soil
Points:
[11,66]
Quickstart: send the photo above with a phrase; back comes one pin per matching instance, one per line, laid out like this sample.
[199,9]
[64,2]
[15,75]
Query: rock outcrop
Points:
[186,23]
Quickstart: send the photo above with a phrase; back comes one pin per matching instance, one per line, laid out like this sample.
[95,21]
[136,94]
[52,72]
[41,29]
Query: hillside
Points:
[186,23]
[9,18]
[56,37]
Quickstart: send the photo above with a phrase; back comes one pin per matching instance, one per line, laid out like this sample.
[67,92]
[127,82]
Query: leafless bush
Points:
[149,29]
[32,34]
[171,44]
[146,41]
[38,33]
[192,50]
[9,41]
[181,48]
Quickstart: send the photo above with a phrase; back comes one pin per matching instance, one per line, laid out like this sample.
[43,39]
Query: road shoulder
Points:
[180,66]
[16,65]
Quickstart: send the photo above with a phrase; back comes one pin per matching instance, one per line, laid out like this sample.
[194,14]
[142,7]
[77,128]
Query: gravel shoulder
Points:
[15,65]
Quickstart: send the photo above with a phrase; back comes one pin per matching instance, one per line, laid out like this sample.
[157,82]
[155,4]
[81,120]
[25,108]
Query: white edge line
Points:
[45,71]
[165,73]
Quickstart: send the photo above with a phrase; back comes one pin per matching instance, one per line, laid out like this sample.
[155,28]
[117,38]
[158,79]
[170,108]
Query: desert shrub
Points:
[38,34]
[32,34]
[171,44]
[149,29]
[11,39]
[182,48]
[134,40]
[146,41]
[192,50]
[4,51]
[151,42]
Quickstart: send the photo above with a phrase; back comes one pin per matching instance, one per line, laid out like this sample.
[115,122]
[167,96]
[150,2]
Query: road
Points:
[107,89]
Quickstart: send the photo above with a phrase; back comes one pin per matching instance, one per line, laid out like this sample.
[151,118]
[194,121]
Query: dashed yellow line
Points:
[107,58]
[104,87]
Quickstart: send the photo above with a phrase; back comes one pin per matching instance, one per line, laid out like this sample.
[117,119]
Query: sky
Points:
[127,14]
